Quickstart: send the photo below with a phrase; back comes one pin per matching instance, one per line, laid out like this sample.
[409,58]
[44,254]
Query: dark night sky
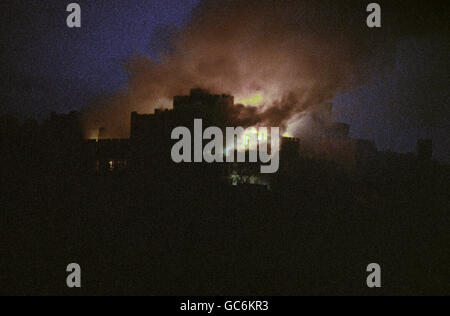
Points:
[49,67]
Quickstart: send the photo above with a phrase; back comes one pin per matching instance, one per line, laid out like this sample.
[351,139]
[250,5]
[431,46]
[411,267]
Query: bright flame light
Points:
[250,139]
[259,135]
[287,134]
[254,99]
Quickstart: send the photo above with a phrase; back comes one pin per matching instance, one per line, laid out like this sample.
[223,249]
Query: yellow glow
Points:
[254,99]
[261,135]
[287,134]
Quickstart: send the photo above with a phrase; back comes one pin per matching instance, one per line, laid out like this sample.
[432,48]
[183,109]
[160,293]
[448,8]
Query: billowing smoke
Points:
[279,58]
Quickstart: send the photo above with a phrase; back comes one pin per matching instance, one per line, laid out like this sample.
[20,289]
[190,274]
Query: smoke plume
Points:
[281,59]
